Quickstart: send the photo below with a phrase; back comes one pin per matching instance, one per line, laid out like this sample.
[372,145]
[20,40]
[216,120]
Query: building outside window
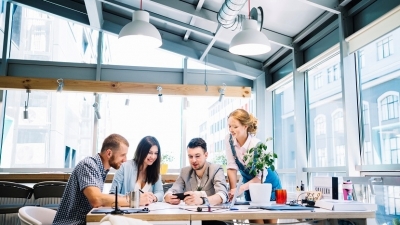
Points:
[283,135]
[385,47]
[325,112]
[320,125]
[338,123]
[389,107]
[317,81]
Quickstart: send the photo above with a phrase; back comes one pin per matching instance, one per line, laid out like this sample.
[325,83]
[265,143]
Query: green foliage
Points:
[167,157]
[257,159]
[396,221]
[220,158]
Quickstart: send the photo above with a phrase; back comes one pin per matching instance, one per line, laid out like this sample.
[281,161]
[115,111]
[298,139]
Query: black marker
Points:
[141,191]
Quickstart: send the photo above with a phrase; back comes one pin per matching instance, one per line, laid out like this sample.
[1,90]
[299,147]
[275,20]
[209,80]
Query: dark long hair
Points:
[142,150]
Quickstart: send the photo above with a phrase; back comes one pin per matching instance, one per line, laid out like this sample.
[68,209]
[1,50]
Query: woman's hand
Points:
[231,193]
[146,198]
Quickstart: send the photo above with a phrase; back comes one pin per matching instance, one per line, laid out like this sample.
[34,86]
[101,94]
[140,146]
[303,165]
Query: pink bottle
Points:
[347,190]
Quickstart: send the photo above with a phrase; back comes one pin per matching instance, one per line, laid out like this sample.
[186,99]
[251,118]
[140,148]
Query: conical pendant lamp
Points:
[140,34]
[249,41]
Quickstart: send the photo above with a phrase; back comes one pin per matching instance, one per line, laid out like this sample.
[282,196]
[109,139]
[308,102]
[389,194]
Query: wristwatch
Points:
[205,201]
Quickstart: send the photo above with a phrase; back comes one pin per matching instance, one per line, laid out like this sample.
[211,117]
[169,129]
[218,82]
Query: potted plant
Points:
[258,159]
[220,158]
[165,159]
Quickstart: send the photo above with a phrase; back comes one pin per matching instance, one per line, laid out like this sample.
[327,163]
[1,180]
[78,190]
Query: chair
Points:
[167,186]
[10,190]
[49,189]
[34,215]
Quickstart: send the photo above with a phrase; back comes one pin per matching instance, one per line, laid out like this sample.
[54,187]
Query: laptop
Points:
[230,205]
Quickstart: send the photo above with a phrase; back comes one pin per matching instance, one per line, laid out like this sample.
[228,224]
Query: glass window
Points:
[326,129]
[361,58]
[317,81]
[386,197]
[40,36]
[115,53]
[320,125]
[380,87]
[283,106]
[385,47]
[389,107]
[57,133]
[197,114]
[59,130]
[3,4]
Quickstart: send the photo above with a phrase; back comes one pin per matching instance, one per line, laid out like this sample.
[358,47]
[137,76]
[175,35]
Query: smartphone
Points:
[181,196]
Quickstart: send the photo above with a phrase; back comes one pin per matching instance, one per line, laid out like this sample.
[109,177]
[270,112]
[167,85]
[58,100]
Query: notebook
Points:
[124,211]
[282,207]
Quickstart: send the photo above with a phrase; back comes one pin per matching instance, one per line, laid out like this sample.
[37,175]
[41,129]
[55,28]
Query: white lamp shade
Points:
[140,33]
[249,41]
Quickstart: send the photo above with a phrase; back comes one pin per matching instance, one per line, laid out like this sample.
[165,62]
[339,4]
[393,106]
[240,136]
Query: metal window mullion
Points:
[300,116]
[6,39]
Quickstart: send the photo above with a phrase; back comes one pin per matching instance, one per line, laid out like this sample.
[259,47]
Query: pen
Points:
[141,191]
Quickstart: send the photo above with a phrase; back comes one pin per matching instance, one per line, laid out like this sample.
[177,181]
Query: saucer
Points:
[260,203]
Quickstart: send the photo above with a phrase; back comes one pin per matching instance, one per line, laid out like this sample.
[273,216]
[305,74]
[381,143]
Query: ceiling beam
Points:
[329,6]
[57,9]
[359,7]
[278,39]
[331,27]
[210,17]
[234,64]
[193,20]
[209,46]
[275,57]
[281,63]
[95,13]
[8,82]
[161,18]
[313,26]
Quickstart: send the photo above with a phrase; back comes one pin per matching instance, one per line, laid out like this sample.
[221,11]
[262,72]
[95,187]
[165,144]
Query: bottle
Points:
[347,187]
[301,186]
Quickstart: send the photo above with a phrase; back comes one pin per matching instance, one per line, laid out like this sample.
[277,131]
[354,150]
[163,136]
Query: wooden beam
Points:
[8,82]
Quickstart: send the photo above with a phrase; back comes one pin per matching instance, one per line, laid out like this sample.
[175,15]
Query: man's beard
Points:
[113,164]
[201,167]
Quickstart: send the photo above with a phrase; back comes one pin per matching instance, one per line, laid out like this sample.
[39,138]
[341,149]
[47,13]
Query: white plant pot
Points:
[260,194]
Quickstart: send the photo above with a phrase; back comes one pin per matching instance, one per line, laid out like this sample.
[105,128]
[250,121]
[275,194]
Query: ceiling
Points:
[190,27]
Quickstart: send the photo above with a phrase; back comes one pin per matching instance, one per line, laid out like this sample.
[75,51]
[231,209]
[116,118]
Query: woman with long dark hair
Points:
[141,173]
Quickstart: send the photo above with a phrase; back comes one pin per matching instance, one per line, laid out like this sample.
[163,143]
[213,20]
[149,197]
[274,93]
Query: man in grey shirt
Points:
[203,182]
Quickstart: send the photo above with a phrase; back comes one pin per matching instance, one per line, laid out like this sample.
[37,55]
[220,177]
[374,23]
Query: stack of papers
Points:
[345,205]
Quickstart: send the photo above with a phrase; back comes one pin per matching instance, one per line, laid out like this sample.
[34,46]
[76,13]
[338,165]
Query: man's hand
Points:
[146,198]
[194,198]
[172,199]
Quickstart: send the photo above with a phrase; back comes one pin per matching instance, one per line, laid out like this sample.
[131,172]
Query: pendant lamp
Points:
[140,34]
[249,41]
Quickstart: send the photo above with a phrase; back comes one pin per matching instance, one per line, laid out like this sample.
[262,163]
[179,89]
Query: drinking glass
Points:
[281,196]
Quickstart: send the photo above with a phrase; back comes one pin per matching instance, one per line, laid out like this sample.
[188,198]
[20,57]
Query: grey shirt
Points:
[212,182]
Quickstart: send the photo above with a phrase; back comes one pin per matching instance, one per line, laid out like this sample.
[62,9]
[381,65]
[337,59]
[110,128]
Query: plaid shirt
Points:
[74,204]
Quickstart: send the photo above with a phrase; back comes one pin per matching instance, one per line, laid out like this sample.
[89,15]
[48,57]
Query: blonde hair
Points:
[246,119]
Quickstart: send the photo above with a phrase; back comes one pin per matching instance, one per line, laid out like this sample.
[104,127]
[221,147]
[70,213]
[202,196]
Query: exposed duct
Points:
[228,14]
[229,17]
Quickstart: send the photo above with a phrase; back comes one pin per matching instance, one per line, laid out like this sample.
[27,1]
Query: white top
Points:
[147,187]
[250,142]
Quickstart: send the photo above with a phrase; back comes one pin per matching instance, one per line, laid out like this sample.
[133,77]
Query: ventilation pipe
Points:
[228,14]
